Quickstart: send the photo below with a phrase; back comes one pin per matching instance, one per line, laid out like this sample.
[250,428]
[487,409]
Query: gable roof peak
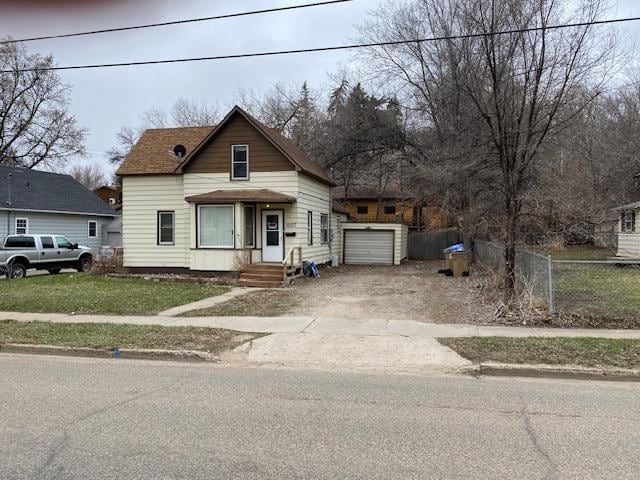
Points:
[289,149]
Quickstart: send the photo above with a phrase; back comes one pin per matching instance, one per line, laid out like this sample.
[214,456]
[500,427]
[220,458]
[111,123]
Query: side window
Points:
[93,229]
[47,242]
[20,242]
[389,209]
[324,228]
[239,162]
[309,228]
[22,226]
[63,242]
[166,221]
[362,210]
[249,226]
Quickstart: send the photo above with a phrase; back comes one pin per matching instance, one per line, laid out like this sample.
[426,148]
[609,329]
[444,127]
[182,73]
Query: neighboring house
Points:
[628,230]
[111,195]
[35,202]
[220,198]
[366,205]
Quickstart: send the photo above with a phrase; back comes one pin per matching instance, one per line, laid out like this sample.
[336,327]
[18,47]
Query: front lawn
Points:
[263,303]
[92,294]
[598,291]
[586,352]
[108,336]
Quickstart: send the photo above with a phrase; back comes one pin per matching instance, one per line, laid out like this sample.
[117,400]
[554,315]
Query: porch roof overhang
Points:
[253,196]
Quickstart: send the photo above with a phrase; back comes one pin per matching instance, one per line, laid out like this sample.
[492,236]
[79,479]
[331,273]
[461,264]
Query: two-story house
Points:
[224,198]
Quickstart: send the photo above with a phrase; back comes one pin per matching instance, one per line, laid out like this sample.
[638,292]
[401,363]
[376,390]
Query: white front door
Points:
[272,235]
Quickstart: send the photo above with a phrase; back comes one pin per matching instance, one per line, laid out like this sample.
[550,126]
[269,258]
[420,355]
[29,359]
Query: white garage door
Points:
[368,247]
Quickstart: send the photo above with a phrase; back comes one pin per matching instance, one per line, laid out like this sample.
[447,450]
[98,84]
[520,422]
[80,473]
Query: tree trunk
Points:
[511,234]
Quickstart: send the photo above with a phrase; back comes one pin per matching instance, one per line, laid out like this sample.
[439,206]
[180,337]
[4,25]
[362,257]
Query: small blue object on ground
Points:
[116,353]
[458,247]
[310,269]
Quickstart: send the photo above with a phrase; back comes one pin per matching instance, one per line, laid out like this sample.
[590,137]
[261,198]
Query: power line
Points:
[175,22]
[328,49]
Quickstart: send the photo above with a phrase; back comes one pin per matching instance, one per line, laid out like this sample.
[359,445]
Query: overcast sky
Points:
[105,100]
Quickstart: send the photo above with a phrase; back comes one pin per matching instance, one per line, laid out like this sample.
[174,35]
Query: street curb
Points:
[558,371]
[125,353]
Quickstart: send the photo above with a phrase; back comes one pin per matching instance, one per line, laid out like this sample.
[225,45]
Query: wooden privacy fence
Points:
[429,245]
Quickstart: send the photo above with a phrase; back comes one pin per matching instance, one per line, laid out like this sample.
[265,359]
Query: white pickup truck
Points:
[42,252]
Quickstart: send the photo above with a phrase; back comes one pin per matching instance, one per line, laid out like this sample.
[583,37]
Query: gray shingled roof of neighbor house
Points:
[24,189]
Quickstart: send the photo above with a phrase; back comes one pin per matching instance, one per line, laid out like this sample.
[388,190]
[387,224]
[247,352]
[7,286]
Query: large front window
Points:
[239,162]
[215,226]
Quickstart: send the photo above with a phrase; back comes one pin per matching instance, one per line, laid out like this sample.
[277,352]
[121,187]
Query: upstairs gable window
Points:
[240,162]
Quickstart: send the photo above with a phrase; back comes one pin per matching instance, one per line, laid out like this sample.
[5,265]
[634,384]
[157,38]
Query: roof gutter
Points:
[114,214]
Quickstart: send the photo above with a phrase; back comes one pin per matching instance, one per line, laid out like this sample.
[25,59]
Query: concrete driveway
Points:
[411,291]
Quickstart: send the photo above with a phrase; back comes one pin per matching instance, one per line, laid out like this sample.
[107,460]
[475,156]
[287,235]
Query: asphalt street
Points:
[73,418]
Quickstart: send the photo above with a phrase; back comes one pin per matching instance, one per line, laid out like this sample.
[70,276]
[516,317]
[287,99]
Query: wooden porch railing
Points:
[292,265]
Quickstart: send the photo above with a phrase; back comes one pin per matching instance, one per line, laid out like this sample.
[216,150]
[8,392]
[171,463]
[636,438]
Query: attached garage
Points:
[374,243]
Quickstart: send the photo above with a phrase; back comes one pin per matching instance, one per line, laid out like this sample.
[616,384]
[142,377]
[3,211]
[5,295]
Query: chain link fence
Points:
[533,271]
[604,289]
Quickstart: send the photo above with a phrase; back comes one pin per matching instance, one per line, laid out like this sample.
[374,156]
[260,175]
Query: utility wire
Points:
[175,22]
[328,49]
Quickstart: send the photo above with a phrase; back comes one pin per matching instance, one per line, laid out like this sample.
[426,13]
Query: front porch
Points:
[273,274]
[233,230]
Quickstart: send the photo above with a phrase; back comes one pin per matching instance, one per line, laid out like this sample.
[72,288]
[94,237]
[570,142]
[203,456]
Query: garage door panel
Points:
[368,247]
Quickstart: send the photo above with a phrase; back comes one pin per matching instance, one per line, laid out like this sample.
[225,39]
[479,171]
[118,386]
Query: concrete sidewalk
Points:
[328,326]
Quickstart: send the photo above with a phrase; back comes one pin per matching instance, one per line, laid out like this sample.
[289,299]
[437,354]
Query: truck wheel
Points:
[17,271]
[54,271]
[85,263]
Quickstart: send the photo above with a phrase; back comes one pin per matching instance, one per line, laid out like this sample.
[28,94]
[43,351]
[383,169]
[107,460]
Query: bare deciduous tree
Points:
[517,91]
[183,113]
[91,176]
[36,128]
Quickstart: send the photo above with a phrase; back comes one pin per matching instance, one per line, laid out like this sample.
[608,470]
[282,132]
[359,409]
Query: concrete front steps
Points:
[265,275]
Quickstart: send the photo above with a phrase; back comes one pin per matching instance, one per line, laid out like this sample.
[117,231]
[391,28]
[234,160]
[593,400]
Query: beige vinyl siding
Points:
[629,245]
[313,196]
[143,197]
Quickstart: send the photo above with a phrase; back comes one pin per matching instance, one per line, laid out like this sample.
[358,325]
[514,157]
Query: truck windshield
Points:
[20,242]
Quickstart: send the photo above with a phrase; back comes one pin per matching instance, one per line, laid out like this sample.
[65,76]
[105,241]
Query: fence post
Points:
[552,307]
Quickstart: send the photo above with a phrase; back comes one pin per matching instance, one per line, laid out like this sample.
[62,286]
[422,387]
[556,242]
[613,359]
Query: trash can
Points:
[448,255]
[460,263]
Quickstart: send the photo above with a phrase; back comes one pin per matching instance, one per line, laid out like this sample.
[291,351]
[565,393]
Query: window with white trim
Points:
[22,226]
[215,226]
[239,162]
[324,228]
[166,227]
[629,221]
[92,229]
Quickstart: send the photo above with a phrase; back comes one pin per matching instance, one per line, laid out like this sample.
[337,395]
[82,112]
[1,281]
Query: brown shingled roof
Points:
[259,196]
[152,154]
